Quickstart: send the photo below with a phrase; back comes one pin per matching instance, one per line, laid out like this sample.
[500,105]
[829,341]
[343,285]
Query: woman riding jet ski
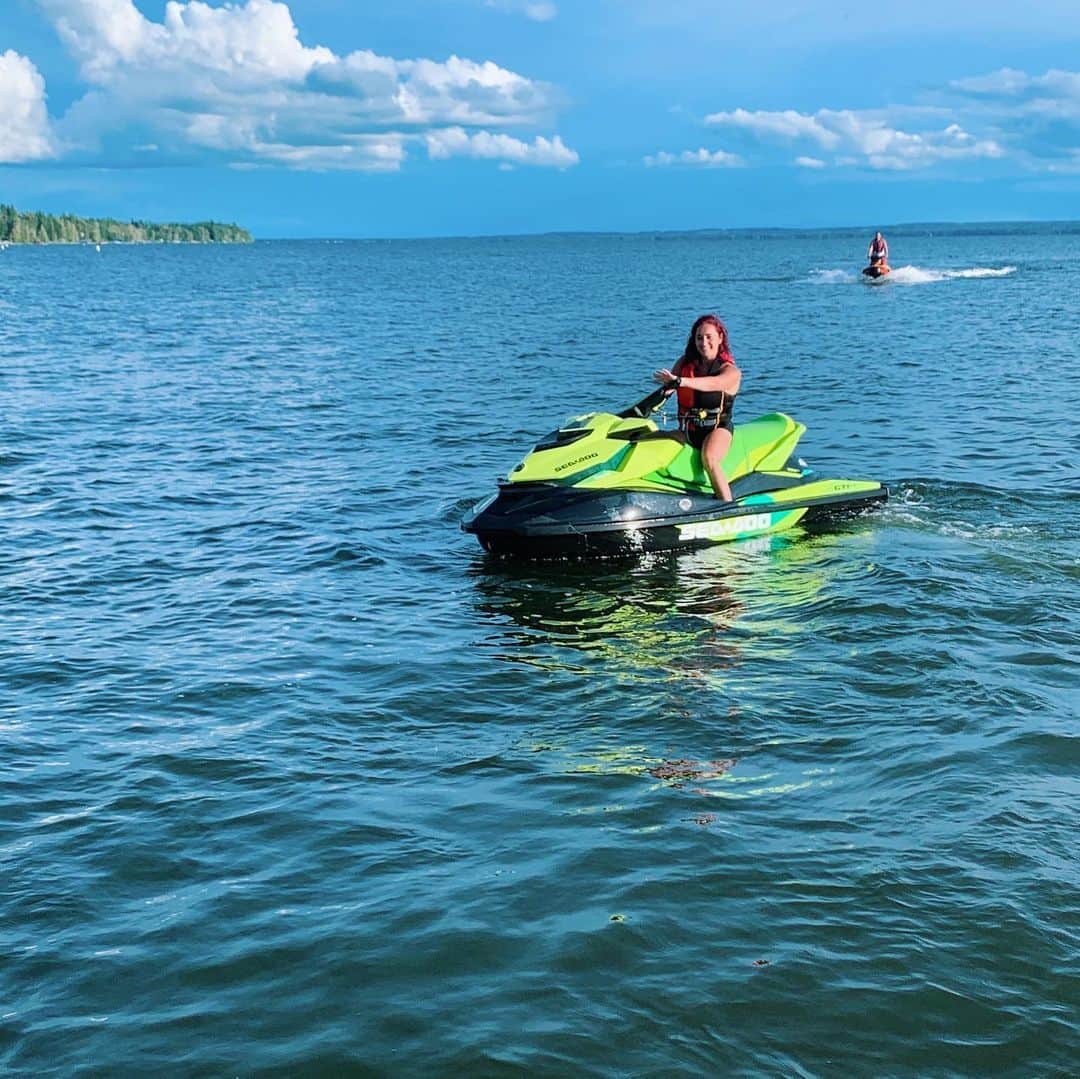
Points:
[878,254]
[610,483]
[706,380]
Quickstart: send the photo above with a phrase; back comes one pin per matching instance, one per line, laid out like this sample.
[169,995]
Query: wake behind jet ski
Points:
[611,483]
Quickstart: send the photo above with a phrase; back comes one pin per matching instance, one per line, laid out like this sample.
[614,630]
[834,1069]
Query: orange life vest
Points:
[717,403]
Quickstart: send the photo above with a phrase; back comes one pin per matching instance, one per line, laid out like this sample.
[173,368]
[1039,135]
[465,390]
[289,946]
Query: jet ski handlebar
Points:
[647,404]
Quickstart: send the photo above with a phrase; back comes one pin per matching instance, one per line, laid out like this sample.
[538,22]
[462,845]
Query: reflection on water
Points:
[666,615]
[700,639]
[638,620]
[229,591]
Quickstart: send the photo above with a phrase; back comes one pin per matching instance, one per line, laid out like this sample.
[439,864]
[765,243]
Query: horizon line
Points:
[883,227]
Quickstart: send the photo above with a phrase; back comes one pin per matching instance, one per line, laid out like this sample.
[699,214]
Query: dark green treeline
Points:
[37,228]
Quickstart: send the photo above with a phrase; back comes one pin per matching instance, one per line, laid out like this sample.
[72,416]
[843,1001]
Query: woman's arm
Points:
[728,381]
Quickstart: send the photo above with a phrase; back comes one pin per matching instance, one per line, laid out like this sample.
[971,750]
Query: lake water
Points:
[295,780]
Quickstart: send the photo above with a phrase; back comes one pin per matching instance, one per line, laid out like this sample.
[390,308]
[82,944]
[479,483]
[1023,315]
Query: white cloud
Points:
[424,91]
[256,42]
[236,80]
[98,33]
[867,136]
[1036,116]
[537,10]
[1008,82]
[541,12]
[1010,98]
[378,153]
[885,147]
[25,134]
[716,159]
[1005,81]
[457,142]
[1033,120]
[787,124]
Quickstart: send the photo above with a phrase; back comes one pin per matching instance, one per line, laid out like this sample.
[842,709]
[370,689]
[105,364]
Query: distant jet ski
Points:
[614,483]
[876,270]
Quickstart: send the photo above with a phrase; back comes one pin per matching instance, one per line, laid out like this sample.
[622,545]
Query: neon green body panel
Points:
[663,464]
[812,489]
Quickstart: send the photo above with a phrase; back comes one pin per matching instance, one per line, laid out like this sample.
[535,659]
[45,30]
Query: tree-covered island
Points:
[38,228]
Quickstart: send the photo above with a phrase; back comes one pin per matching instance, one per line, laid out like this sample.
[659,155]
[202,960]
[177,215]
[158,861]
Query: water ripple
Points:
[299,781]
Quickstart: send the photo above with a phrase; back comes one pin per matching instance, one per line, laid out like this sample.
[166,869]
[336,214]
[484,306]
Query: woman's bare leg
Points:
[712,455]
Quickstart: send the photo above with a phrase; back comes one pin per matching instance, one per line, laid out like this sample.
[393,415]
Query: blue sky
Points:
[462,117]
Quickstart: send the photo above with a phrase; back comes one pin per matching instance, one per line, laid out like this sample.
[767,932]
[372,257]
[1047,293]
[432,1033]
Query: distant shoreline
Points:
[929,228]
[36,228]
[230,233]
[118,243]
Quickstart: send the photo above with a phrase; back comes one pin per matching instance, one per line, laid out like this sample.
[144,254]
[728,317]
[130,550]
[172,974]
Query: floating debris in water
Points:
[691,769]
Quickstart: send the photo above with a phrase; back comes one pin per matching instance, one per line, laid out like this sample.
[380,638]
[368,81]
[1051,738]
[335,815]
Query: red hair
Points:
[691,355]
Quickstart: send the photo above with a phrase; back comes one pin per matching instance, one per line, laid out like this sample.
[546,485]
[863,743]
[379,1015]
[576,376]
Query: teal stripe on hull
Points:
[742,527]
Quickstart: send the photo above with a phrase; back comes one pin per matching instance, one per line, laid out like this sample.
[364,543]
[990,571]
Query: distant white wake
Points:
[914,275]
[832,277]
[909,275]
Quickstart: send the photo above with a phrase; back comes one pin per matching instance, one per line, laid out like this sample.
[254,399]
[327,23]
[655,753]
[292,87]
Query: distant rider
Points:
[707,381]
[878,251]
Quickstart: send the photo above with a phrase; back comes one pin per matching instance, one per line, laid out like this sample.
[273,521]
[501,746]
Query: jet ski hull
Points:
[608,483]
[545,520]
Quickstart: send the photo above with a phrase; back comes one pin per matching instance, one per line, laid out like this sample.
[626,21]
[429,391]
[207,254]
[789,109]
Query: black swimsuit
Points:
[716,403]
[696,435]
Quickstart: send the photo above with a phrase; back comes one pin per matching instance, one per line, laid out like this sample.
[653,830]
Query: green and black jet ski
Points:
[610,483]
